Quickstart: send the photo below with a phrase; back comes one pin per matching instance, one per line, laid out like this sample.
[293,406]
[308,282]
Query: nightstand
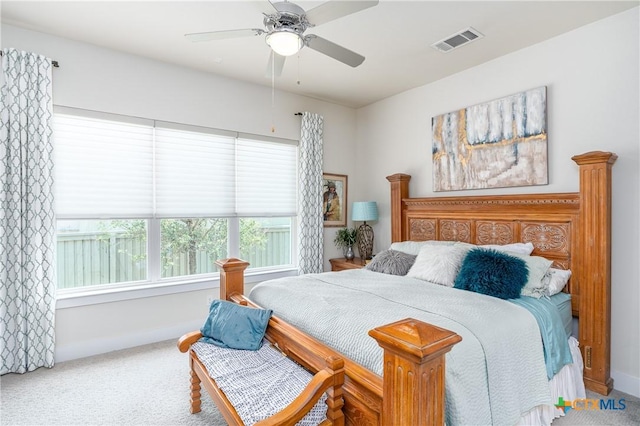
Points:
[340,264]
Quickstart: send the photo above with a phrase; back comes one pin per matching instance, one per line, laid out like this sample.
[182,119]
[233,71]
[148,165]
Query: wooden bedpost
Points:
[399,191]
[231,277]
[413,371]
[595,245]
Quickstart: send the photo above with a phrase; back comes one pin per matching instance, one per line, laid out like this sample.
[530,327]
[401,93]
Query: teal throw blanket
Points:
[554,338]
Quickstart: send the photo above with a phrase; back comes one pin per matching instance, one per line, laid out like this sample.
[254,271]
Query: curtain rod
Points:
[298,113]
[54,63]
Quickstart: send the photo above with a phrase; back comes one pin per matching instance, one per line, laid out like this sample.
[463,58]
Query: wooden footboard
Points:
[411,391]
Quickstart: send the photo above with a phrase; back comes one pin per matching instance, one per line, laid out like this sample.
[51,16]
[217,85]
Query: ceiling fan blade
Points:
[333,50]
[276,66]
[265,7]
[221,35]
[331,10]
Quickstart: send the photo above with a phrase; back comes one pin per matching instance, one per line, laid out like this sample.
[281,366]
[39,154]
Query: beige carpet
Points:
[149,385]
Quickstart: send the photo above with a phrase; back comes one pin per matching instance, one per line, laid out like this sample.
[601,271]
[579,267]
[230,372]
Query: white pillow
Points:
[439,263]
[537,285]
[520,248]
[556,280]
[413,247]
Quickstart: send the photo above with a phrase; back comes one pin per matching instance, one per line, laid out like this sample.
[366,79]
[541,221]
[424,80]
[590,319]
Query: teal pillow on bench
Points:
[234,326]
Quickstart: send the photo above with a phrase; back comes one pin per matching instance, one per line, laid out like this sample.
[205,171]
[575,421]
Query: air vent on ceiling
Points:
[458,39]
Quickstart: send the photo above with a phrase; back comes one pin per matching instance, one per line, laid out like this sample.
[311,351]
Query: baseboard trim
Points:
[104,345]
[626,383]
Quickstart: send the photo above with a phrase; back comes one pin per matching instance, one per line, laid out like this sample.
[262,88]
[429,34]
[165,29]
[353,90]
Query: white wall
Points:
[98,79]
[592,77]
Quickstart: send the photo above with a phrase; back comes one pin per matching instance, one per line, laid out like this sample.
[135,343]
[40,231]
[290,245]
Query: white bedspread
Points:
[495,375]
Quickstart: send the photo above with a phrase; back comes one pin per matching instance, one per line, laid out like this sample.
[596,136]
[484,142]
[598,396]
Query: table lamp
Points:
[364,211]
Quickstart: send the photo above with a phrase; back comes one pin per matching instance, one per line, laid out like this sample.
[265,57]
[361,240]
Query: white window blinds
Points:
[102,168]
[194,174]
[266,178]
[108,168]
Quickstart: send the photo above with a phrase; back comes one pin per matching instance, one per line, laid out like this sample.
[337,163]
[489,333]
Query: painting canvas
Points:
[334,199]
[495,144]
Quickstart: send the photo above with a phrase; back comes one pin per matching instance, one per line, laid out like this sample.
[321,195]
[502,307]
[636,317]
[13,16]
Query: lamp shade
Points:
[364,210]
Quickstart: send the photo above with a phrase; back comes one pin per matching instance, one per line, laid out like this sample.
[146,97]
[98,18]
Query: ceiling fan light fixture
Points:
[285,42]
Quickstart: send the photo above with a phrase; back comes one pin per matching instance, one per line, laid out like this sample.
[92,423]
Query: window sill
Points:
[140,291]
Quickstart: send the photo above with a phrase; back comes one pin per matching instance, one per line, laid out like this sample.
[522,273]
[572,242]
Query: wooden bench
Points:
[329,379]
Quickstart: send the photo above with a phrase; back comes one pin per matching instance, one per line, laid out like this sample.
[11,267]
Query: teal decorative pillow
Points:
[493,273]
[233,326]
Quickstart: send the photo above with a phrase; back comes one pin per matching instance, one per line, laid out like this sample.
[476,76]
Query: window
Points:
[190,246]
[142,202]
[95,252]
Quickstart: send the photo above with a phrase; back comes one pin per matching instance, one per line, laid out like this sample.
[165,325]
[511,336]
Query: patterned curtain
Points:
[27,224]
[310,225]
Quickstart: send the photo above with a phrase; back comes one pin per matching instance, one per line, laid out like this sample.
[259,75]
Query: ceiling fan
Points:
[284,26]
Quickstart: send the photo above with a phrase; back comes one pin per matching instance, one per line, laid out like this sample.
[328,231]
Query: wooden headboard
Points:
[571,229]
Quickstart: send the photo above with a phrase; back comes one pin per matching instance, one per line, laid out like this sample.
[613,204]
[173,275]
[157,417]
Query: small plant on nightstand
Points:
[345,239]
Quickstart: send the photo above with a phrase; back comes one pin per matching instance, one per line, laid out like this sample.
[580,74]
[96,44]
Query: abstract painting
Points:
[491,145]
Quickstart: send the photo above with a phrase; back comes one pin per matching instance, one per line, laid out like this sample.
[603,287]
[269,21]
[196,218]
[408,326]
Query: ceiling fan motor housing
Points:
[289,17]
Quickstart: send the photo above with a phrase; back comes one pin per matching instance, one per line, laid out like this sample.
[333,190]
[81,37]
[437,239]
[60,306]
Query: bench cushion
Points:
[258,383]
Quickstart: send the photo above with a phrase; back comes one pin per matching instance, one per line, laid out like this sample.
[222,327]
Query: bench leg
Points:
[195,389]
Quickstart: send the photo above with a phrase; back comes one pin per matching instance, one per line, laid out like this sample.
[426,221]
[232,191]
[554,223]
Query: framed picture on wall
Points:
[334,199]
[501,143]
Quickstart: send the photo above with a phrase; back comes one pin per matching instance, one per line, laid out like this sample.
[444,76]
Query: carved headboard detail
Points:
[571,229]
[487,220]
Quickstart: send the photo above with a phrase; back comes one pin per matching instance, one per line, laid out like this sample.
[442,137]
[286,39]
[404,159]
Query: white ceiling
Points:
[394,36]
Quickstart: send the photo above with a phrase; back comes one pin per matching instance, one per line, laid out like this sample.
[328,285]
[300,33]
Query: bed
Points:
[407,383]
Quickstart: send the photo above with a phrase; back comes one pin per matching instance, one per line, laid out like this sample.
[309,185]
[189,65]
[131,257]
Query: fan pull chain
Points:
[298,81]
[273,91]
